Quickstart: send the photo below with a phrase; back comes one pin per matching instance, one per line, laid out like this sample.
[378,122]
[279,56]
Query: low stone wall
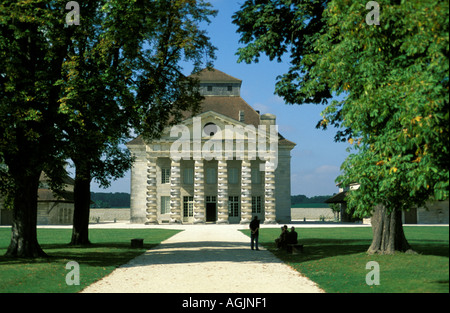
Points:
[109,215]
[311,214]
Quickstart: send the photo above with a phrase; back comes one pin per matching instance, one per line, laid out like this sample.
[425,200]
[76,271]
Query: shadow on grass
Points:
[315,248]
[97,254]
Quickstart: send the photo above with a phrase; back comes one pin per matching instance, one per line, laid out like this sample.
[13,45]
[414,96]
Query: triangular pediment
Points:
[200,124]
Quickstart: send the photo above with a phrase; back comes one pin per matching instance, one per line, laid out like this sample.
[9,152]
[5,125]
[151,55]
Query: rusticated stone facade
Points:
[229,164]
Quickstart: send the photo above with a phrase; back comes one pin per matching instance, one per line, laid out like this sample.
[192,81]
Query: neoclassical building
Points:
[223,165]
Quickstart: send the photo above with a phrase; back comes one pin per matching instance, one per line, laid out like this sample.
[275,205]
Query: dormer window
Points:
[241,116]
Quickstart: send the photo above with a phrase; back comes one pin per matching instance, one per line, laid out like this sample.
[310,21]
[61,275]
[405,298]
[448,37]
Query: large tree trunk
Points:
[388,235]
[82,196]
[24,243]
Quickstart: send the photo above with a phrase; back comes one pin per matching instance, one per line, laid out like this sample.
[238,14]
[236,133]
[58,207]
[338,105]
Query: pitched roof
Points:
[230,107]
[338,198]
[214,75]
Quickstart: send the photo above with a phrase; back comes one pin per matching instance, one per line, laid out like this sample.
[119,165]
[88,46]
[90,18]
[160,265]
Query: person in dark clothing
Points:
[292,237]
[254,227]
[281,241]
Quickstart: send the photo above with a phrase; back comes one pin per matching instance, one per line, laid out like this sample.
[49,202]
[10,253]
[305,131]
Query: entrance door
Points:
[211,209]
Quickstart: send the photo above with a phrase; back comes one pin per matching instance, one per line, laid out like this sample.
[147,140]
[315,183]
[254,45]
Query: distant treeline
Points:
[110,200]
[304,199]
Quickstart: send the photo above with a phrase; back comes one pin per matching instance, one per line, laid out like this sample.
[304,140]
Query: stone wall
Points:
[311,214]
[108,215]
[436,212]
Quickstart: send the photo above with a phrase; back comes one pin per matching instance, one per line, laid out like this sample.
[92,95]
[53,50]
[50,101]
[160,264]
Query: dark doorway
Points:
[210,212]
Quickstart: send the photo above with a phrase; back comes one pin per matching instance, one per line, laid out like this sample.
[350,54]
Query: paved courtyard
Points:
[205,258]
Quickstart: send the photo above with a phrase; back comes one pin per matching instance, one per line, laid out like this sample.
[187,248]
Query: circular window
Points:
[210,129]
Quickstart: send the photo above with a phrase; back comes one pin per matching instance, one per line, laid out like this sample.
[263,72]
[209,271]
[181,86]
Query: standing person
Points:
[254,227]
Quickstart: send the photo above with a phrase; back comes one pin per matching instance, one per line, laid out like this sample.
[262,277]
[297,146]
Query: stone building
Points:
[52,209]
[224,165]
[434,212]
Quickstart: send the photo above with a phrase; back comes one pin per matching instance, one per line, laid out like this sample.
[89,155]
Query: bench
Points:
[294,248]
[137,243]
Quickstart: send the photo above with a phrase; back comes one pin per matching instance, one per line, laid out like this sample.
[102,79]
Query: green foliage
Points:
[396,78]
[392,78]
[78,91]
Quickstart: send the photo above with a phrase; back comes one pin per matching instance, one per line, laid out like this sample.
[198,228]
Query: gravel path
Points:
[205,258]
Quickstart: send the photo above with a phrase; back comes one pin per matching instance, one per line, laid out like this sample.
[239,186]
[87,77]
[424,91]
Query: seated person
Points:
[292,237]
[281,241]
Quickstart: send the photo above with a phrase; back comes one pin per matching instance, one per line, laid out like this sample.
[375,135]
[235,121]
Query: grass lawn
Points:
[335,259]
[110,248]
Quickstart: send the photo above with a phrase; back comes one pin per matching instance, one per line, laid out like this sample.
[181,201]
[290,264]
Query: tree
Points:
[68,91]
[394,79]
[31,55]
[124,68]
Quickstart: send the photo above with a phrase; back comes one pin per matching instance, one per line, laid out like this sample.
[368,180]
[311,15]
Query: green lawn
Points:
[110,249]
[335,259]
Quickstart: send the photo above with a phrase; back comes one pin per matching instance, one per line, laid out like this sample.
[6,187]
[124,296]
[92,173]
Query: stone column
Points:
[175,193]
[138,192]
[152,211]
[269,196]
[222,193]
[199,193]
[246,192]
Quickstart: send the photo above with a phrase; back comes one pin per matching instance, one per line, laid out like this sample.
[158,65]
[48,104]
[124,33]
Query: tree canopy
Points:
[393,78]
[75,90]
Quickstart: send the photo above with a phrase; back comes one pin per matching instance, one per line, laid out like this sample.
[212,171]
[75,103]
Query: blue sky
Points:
[317,158]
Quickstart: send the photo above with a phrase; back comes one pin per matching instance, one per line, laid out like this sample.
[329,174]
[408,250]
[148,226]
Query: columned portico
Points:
[204,170]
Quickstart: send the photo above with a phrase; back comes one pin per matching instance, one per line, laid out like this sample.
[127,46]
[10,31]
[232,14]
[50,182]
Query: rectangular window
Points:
[165,205]
[233,175]
[233,206]
[211,175]
[209,88]
[188,206]
[165,175]
[256,204]
[256,176]
[230,88]
[210,199]
[188,176]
